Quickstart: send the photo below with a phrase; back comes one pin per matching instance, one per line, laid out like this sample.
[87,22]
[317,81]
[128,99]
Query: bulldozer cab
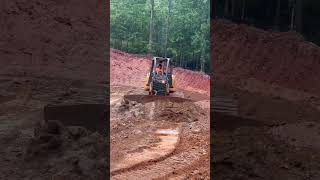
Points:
[160,79]
[166,68]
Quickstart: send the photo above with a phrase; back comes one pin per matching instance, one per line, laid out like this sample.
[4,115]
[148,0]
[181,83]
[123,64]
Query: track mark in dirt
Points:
[165,168]
[169,139]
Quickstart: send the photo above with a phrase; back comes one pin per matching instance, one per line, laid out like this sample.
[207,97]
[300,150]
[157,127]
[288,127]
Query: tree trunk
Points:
[292,16]
[202,59]
[213,6]
[243,9]
[226,8]
[167,27]
[277,15]
[233,8]
[298,16]
[180,52]
[151,26]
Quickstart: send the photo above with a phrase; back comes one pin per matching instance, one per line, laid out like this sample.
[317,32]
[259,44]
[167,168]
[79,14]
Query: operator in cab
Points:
[159,69]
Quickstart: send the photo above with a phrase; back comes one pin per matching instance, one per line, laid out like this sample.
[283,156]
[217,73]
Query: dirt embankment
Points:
[129,69]
[54,38]
[51,52]
[280,58]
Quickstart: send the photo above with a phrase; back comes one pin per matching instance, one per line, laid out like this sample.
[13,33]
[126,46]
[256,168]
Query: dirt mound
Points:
[51,51]
[83,151]
[54,38]
[173,109]
[130,69]
[282,58]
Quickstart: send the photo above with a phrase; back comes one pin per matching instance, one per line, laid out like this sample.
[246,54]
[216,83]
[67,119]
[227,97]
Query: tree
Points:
[213,6]
[226,8]
[292,4]
[277,15]
[243,9]
[233,8]
[298,16]
[178,29]
[204,44]
[151,25]
[167,26]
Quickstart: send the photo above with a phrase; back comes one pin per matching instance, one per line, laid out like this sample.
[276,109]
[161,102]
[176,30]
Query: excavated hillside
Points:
[52,52]
[54,38]
[272,77]
[280,58]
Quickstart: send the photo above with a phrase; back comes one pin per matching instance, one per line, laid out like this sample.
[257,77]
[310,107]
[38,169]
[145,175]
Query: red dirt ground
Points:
[136,150]
[273,76]
[281,58]
[51,52]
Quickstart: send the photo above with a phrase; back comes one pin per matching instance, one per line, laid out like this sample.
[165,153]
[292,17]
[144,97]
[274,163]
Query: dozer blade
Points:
[149,98]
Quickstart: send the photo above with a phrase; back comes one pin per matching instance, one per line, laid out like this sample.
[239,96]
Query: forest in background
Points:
[302,16]
[178,29]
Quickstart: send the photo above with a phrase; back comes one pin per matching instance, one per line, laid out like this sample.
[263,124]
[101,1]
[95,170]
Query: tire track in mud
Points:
[164,148]
[174,165]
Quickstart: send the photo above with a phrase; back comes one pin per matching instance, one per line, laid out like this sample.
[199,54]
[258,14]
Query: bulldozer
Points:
[160,82]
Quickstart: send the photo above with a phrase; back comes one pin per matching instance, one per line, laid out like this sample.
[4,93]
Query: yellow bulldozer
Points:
[160,81]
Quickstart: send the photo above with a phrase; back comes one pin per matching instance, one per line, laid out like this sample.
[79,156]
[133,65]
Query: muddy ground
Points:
[157,137]
[271,138]
[52,52]
[275,134]
[37,148]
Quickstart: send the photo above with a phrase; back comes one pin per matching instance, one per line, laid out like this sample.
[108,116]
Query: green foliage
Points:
[188,30]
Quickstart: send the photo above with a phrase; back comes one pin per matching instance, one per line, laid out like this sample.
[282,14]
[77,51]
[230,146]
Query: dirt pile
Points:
[276,126]
[51,52]
[130,69]
[70,152]
[50,150]
[173,109]
[281,58]
[54,38]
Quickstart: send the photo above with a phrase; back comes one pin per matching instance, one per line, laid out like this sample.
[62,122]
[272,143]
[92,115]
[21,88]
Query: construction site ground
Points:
[52,52]
[276,131]
[156,137]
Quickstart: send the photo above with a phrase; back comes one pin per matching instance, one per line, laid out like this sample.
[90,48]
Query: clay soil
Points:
[43,48]
[272,76]
[157,137]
